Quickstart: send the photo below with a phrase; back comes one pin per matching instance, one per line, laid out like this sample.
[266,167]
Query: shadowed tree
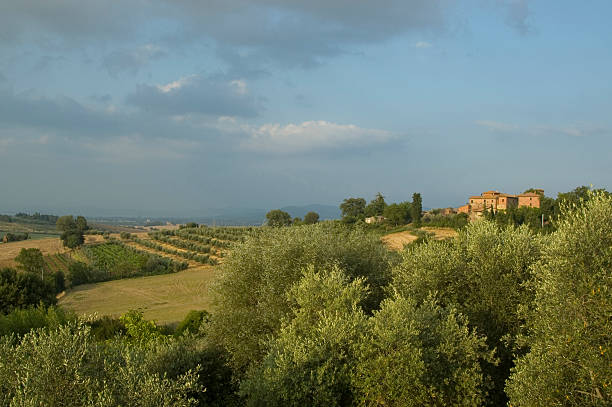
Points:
[311,218]
[277,218]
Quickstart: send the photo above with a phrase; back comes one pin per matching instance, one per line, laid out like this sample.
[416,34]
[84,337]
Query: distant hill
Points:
[225,217]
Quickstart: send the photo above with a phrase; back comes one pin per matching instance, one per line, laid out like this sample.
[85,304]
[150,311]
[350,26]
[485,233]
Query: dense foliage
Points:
[570,327]
[72,230]
[277,217]
[251,291]
[324,315]
[15,237]
[24,289]
[113,260]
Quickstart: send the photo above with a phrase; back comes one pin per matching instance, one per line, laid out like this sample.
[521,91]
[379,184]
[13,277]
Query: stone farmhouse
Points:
[496,201]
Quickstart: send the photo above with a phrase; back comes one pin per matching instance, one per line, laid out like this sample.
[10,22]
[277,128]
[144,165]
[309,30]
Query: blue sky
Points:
[158,107]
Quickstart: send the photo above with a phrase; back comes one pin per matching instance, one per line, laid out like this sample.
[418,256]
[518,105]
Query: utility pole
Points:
[542,221]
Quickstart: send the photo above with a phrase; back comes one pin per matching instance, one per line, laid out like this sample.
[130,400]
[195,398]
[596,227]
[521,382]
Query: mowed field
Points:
[397,241]
[48,246]
[165,298]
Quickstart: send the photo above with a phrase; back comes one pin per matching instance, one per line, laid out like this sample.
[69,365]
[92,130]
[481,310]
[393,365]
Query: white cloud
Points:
[239,86]
[179,83]
[423,44]
[311,135]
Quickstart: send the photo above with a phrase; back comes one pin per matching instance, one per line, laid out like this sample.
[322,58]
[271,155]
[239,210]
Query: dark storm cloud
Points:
[69,21]
[292,32]
[54,113]
[65,117]
[197,94]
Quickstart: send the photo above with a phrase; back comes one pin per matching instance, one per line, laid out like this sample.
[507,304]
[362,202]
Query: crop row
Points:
[116,256]
[184,244]
[234,234]
[200,258]
[56,262]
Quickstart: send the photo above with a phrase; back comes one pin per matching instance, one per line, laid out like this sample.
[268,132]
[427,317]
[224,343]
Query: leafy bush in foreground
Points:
[22,321]
[67,367]
[251,291]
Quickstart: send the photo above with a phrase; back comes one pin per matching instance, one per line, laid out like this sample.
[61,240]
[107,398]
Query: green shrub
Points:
[24,289]
[22,321]
[192,323]
[66,367]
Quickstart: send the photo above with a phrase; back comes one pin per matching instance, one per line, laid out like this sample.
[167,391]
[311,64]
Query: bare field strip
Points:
[165,298]
[8,251]
[396,241]
[440,233]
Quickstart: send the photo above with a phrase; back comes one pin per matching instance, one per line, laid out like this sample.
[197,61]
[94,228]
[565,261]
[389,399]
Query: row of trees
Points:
[355,209]
[277,218]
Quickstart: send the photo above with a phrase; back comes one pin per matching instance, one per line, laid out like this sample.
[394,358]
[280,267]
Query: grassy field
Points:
[165,298]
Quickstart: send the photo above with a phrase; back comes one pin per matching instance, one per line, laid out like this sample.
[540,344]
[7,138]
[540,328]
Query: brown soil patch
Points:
[396,241]
[8,251]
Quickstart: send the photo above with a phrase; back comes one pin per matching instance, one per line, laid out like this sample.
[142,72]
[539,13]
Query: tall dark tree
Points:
[72,235]
[277,218]
[416,209]
[376,206]
[353,209]
[397,214]
[311,218]
[21,290]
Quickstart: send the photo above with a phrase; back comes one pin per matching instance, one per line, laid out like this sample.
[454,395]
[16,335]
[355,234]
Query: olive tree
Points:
[313,359]
[570,361]
[250,292]
[484,273]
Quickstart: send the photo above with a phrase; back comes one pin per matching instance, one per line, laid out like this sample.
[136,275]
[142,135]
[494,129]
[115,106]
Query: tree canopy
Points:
[311,218]
[72,230]
[277,218]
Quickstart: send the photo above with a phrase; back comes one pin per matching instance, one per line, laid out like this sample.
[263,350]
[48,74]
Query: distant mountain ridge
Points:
[229,216]
[325,211]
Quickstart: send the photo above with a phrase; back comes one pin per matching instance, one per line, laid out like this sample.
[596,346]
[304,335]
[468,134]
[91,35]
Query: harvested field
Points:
[165,298]
[440,233]
[8,251]
[396,241]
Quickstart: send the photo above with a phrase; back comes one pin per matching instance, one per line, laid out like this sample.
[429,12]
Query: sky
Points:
[178,107]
